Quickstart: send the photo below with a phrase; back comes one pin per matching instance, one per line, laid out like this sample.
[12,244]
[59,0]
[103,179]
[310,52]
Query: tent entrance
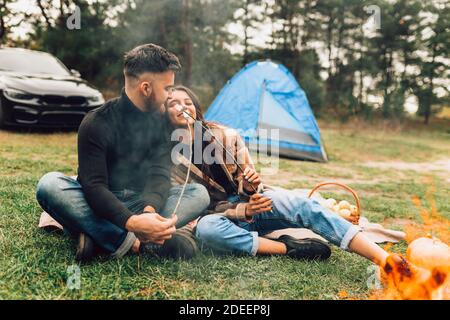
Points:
[272,116]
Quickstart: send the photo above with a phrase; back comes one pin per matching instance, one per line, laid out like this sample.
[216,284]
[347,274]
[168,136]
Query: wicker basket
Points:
[354,219]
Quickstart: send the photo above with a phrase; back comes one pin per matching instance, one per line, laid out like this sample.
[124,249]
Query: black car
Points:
[37,90]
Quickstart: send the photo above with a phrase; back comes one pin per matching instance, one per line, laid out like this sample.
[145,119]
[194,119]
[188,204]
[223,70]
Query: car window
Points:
[31,62]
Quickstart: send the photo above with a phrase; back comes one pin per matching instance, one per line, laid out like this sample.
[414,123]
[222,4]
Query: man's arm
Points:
[156,190]
[94,137]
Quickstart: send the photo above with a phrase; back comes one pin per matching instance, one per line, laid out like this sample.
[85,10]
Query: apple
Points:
[344,205]
[345,213]
[330,203]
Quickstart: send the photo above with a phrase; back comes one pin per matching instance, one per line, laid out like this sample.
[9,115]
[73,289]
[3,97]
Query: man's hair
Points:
[149,58]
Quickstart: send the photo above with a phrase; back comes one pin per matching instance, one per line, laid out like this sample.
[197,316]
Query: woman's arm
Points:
[244,211]
[248,180]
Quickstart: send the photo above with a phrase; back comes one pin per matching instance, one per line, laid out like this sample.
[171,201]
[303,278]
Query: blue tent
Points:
[265,95]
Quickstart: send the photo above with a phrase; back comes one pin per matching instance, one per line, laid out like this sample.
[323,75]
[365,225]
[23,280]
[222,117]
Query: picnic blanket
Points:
[376,232]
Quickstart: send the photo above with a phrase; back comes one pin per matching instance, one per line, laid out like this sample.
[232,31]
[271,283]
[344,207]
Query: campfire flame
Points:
[425,272]
[403,280]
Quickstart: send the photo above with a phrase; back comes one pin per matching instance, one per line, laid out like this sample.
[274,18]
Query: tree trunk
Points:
[44,14]
[329,81]
[187,47]
[387,59]
[330,40]
[245,57]
[2,24]
[62,15]
[361,72]
[427,114]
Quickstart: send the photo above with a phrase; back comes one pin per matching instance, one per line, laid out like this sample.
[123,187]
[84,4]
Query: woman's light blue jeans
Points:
[63,198]
[290,210]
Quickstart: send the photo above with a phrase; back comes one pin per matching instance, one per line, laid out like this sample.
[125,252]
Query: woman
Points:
[239,215]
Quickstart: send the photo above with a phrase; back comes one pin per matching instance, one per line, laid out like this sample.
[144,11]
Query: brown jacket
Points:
[236,146]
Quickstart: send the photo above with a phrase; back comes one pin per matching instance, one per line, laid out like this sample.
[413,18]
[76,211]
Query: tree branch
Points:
[44,13]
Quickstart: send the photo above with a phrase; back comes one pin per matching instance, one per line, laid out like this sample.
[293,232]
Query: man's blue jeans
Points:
[290,210]
[62,197]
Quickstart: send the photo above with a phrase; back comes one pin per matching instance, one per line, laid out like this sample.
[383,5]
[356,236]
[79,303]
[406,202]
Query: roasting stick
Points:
[186,114]
[179,108]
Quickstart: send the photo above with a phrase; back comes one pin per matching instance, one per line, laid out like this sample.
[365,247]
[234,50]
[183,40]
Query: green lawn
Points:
[34,264]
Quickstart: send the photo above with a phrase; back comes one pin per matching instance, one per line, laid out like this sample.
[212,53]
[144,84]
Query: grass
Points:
[34,264]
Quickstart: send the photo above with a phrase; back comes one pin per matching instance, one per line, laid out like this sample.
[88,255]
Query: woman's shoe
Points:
[308,249]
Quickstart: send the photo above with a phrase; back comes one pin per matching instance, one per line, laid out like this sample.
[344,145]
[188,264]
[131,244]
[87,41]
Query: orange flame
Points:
[403,279]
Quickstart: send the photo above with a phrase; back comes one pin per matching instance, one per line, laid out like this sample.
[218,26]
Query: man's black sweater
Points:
[121,147]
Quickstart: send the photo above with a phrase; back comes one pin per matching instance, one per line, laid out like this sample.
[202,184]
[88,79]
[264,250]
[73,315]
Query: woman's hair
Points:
[195,100]
[199,117]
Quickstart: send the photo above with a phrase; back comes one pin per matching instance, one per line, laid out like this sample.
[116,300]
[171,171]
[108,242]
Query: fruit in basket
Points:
[344,205]
[343,208]
[330,203]
[345,213]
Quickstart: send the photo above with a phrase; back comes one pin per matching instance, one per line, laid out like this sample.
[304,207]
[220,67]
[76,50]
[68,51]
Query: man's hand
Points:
[149,209]
[258,204]
[151,227]
[251,177]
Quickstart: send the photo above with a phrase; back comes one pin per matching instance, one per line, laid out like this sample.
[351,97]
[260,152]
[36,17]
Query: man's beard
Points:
[151,105]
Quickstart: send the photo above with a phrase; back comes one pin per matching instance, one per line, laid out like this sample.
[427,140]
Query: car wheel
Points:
[2,115]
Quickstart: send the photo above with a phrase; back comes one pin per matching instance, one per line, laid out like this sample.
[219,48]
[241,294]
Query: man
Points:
[122,200]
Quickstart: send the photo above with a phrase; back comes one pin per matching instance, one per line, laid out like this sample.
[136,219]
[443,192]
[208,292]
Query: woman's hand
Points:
[258,204]
[251,178]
